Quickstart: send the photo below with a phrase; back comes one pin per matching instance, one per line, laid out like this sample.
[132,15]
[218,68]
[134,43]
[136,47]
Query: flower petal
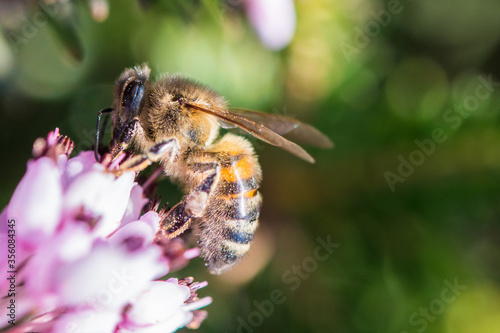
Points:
[177,320]
[101,196]
[152,218]
[139,233]
[135,204]
[109,276]
[73,242]
[79,165]
[157,303]
[88,320]
[37,201]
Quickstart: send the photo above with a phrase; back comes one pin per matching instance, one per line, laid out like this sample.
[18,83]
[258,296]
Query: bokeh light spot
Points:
[417,89]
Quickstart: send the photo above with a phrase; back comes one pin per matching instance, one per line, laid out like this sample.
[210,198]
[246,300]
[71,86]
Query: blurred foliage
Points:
[376,77]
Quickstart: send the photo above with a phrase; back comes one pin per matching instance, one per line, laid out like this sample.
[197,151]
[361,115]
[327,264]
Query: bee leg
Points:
[142,161]
[122,140]
[176,221]
[179,218]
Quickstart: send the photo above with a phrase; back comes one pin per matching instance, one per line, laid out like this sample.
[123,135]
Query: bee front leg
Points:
[122,139]
[179,218]
[154,154]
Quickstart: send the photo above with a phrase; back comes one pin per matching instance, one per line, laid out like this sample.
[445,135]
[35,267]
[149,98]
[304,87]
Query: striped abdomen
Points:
[231,218]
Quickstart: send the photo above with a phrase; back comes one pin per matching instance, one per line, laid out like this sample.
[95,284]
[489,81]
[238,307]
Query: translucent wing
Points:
[256,129]
[293,128]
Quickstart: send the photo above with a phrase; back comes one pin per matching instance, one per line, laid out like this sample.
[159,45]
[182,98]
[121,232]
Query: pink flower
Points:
[84,260]
[273,20]
[148,311]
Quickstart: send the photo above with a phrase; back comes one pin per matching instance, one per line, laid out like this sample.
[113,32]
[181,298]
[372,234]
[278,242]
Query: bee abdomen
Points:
[238,236]
[228,231]
[231,218]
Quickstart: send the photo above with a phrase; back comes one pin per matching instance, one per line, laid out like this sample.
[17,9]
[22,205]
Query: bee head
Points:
[130,90]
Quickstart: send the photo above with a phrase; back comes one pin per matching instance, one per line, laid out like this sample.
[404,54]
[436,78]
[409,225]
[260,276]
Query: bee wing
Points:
[255,129]
[293,128]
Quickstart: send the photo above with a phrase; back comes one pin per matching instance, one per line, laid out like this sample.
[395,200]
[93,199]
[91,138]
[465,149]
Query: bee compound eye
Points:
[132,97]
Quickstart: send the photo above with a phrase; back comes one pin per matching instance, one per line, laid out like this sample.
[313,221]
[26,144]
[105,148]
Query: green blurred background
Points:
[404,233]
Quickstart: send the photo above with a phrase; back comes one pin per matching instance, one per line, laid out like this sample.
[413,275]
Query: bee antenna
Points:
[100,132]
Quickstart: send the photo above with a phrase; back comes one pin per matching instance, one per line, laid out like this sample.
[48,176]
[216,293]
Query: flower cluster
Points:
[79,257]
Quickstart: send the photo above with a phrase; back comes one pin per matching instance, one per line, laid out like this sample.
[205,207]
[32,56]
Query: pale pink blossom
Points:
[85,258]
[273,20]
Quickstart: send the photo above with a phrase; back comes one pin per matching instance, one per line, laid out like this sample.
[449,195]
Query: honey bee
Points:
[176,122]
